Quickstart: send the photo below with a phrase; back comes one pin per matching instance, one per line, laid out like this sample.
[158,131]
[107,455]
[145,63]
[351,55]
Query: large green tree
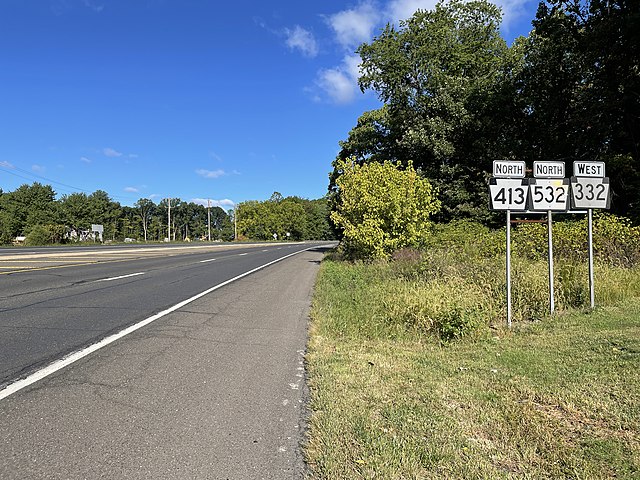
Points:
[25,208]
[579,91]
[436,74]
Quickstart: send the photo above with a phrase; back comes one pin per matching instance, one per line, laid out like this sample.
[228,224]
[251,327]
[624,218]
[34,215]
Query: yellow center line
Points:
[35,269]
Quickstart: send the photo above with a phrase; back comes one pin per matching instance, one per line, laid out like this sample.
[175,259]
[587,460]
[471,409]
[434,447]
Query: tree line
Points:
[456,97]
[278,217]
[32,211]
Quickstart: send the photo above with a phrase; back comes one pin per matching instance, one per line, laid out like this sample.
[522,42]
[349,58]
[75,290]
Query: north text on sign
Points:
[548,169]
[508,169]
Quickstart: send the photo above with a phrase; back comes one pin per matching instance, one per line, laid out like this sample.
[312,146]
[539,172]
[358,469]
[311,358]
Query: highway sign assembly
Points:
[548,191]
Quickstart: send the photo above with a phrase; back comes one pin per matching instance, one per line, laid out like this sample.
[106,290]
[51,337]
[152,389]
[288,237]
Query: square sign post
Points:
[590,189]
[549,192]
[508,191]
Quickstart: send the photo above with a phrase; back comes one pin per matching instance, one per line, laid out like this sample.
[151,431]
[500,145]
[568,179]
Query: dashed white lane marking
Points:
[74,357]
[242,254]
[120,277]
[209,260]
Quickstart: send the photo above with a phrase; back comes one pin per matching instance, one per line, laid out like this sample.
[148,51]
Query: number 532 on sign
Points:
[508,193]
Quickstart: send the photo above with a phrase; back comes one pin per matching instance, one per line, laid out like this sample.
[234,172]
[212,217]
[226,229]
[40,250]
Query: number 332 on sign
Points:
[508,193]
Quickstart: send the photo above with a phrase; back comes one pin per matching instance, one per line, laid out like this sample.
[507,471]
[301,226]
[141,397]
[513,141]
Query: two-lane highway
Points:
[155,363]
[53,302]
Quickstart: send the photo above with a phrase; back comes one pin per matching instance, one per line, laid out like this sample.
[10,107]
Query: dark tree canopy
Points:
[457,97]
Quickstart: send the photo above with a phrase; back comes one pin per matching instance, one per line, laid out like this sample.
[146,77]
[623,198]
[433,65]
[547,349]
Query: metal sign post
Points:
[508,191]
[552,297]
[590,189]
[549,192]
[509,268]
[592,289]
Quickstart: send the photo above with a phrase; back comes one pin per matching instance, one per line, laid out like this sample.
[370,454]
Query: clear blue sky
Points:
[193,99]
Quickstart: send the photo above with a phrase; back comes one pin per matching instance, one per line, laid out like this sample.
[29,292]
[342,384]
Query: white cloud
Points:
[404,9]
[133,155]
[131,190]
[303,40]
[38,168]
[354,26]
[512,9]
[210,173]
[225,203]
[340,83]
[96,8]
[85,160]
[111,153]
[5,164]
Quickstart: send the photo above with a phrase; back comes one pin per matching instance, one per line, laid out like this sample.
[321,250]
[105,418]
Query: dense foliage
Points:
[301,219]
[381,208]
[34,212]
[457,97]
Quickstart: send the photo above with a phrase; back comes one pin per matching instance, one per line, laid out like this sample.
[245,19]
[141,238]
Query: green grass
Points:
[557,398]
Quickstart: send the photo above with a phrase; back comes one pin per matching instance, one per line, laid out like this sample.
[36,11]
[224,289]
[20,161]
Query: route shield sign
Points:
[508,193]
[549,194]
[590,192]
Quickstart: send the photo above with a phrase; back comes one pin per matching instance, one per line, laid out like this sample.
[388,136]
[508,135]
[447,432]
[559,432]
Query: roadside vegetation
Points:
[32,215]
[413,373]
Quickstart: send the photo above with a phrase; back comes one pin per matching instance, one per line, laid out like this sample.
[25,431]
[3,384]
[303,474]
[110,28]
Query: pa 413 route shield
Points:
[508,193]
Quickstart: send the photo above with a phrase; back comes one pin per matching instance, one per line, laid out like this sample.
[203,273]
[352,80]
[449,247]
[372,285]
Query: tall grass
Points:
[455,285]
[414,375]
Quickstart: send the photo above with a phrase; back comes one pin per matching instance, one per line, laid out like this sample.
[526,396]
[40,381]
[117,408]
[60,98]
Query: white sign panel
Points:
[548,169]
[549,194]
[588,169]
[590,192]
[508,194]
[508,169]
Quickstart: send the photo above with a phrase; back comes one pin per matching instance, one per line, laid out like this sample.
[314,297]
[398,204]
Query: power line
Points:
[67,187]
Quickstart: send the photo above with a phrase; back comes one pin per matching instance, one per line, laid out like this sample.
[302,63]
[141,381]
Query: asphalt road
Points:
[214,389]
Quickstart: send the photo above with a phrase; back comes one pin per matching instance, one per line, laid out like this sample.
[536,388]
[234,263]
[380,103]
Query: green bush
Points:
[615,240]
[381,208]
[45,235]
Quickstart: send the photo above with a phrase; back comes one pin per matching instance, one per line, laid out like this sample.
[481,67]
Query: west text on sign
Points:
[588,169]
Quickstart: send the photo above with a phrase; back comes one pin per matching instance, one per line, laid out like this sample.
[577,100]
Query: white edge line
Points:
[118,278]
[75,356]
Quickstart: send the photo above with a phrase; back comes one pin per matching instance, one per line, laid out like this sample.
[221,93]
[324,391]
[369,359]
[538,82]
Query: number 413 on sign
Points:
[508,193]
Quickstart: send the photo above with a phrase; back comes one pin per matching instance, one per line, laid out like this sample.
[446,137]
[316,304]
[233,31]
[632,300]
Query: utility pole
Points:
[169,220]
[209,218]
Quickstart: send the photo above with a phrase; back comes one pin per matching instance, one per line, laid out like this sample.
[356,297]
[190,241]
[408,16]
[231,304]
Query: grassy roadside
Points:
[554,399]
